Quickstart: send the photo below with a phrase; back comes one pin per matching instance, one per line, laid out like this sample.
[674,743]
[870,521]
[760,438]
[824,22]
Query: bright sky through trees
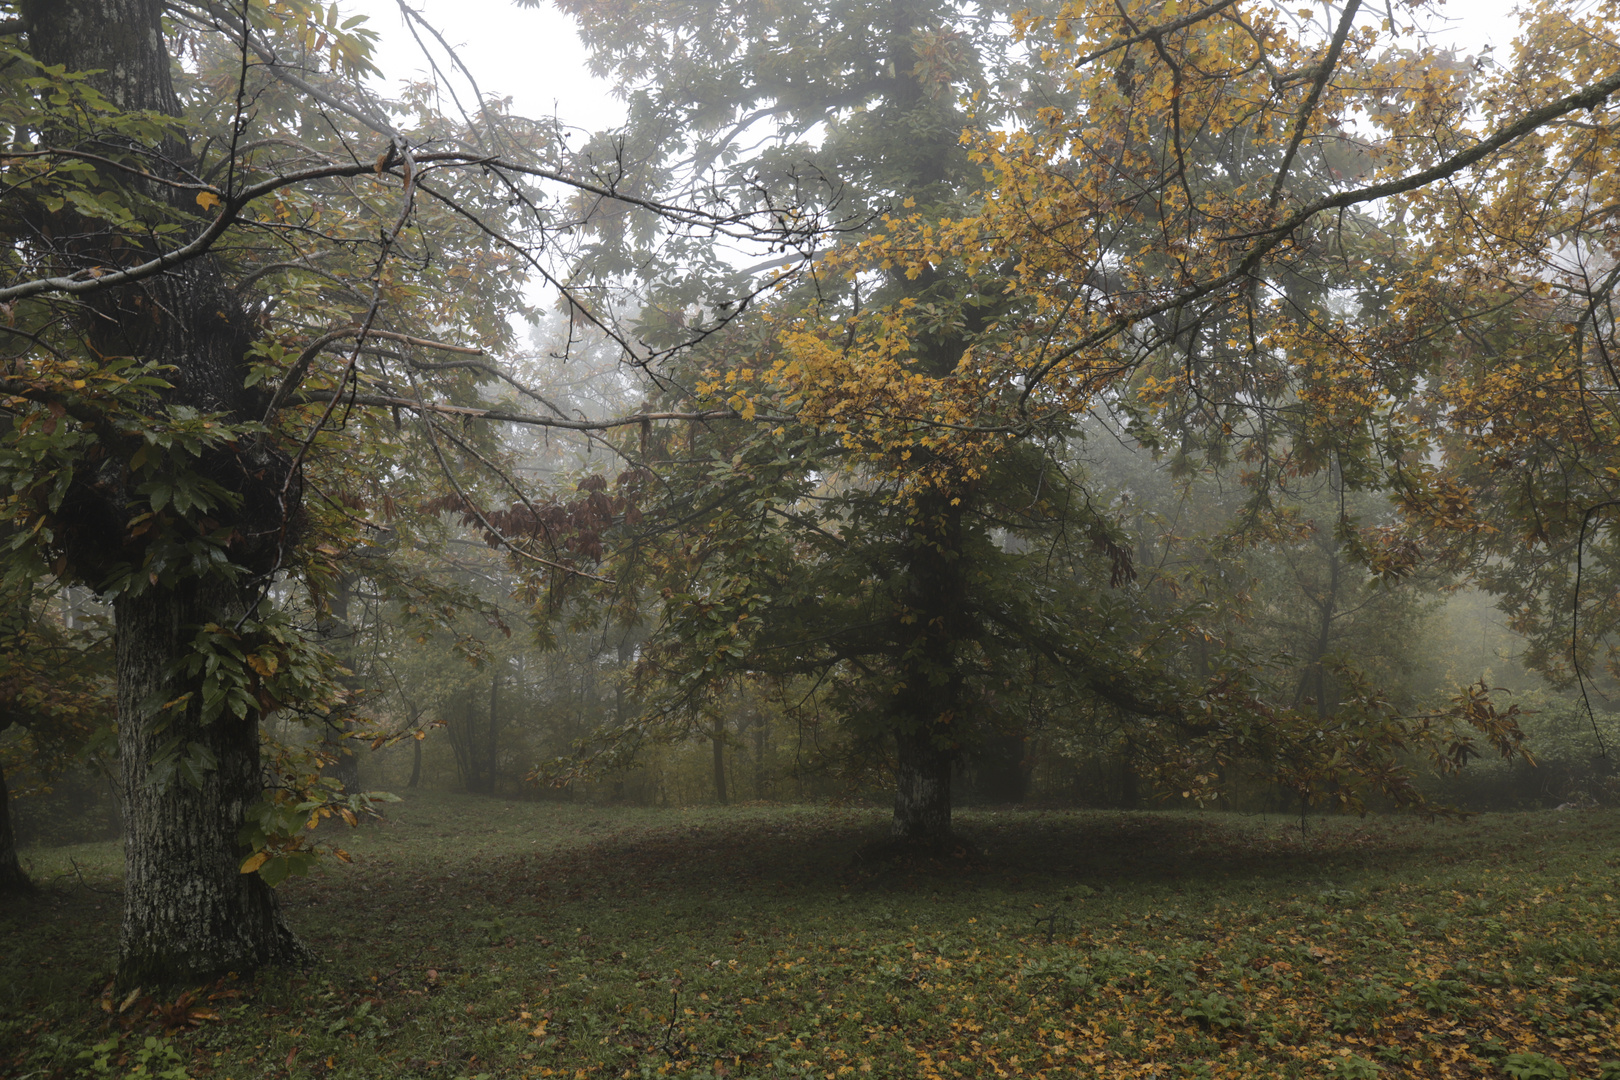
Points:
[536,58]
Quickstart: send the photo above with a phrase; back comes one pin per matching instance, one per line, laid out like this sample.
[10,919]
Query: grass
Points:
[473,937]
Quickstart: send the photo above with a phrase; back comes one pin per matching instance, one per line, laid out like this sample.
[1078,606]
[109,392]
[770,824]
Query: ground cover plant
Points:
[477,937]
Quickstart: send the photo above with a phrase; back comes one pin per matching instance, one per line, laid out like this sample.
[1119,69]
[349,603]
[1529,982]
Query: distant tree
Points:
[55,690]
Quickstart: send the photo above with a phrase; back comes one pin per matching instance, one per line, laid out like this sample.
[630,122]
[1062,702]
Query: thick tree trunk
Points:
[12,878]
[922,794]
[190,914]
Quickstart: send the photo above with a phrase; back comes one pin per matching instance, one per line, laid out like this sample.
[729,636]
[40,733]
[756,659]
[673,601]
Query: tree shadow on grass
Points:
[841,852]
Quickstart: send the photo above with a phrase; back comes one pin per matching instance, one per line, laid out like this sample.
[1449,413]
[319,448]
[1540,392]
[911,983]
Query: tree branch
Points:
[387,401]
[1308,106]
[1155,31]
[1269,238]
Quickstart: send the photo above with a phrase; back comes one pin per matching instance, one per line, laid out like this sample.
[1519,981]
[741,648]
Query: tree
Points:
[854,585]
[172,290]
[1510,292]
[1198,233]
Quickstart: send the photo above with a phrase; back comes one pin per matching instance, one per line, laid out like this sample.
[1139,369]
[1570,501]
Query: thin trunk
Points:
[416,749]
[624,700]
[459,711]
[340,637]
[999,771]
[416,758]
[190,914]
[1316,671]
[492,748]
[12,878]
[717,741]
[762,785]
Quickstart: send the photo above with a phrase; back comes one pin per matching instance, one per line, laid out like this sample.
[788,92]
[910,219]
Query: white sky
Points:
[535,56]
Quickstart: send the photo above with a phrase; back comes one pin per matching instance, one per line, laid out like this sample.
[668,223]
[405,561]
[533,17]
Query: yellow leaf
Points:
[254,861]
[207,200]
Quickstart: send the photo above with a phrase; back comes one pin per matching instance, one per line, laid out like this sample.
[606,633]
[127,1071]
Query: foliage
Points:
[151,1057]
[1181,240]
[54,673]
[1573,759]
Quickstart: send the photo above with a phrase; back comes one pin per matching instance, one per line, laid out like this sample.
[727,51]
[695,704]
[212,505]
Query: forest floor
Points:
[474,937]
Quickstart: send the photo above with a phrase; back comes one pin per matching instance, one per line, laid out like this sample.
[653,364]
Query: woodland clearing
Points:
[477,937]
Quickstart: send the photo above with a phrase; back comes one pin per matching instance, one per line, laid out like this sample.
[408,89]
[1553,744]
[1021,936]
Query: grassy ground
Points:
[473,937]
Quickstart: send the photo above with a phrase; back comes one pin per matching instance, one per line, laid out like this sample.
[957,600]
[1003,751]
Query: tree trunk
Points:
[492,754]
[12,878]
[924,710]
[416,765]
[190,914]
[762,781]
[922,794]
[460,711]
[339,636]
[717,740]
[999,772]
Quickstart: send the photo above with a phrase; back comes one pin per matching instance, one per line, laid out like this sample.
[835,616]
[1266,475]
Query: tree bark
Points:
[922,793]
[190,914]
[12,878]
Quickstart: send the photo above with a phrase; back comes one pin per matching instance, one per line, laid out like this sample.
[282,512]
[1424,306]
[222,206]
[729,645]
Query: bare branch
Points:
[295,374]
[310,397]
[98,279]
[1156,31]
[1308,106]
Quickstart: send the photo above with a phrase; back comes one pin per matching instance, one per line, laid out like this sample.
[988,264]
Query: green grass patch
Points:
[474,937]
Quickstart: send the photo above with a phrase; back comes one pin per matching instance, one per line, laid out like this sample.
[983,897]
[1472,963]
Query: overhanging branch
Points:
[312,397]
